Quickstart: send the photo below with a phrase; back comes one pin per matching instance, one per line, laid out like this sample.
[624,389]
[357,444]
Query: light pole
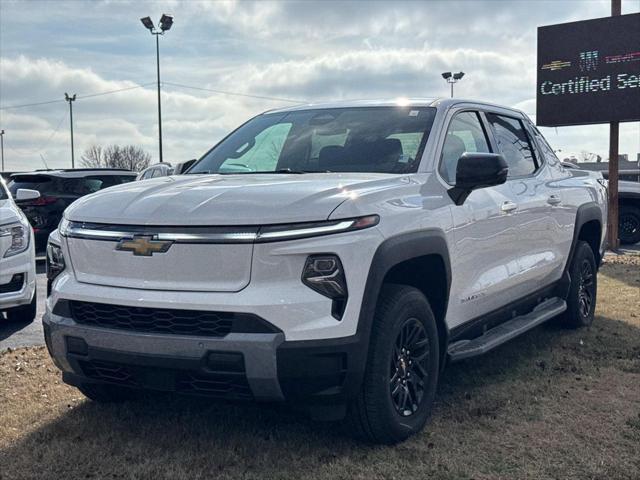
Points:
[2,148]
[452,78]
[166,21]
[71,99]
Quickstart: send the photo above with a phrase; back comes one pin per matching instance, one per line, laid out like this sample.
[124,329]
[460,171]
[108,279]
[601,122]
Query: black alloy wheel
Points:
[409,367]
[586,289]
[582,295]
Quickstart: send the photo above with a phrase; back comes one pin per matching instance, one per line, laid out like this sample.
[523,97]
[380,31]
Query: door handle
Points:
[508,207]
[554,200]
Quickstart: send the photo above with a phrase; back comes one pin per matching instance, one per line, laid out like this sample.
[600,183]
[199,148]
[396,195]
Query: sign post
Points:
[614,154]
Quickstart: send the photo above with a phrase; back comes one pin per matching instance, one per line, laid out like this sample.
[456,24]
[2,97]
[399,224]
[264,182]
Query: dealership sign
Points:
[589,72]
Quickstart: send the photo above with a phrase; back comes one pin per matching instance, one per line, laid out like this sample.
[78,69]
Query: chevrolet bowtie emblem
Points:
[143,245]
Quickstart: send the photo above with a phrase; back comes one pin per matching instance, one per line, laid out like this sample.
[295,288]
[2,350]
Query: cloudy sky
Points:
[310,51]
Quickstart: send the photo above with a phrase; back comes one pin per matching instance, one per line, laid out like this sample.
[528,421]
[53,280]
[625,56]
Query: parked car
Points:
[58,189]
[157,170]
[629,214]
[18,297]
[182,167]
[629,208]
[357,249]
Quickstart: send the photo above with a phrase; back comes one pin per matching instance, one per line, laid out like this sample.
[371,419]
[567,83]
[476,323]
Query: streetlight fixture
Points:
[2,148]
[452,78]
[166,21]
[71,99]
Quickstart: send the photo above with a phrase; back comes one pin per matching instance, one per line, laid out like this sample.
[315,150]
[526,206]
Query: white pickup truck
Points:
[334,255]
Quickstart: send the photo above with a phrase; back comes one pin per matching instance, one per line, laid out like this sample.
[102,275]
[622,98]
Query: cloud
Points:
[296,49]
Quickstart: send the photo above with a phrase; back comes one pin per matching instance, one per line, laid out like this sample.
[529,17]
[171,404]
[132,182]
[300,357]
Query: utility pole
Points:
[614,134]
[166,21]
[159,107]
[2,148]
[71,99]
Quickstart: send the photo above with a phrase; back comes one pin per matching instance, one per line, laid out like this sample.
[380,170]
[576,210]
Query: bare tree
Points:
[130,157]
[92,157]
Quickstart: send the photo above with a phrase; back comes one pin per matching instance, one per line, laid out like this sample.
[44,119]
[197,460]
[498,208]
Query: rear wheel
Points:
[25,313]
[103,393]
[402,369]
[581,302]
[629,224]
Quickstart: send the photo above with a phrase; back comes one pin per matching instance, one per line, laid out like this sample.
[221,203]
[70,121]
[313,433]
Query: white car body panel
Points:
[496,257]
[517,256]
[24,262]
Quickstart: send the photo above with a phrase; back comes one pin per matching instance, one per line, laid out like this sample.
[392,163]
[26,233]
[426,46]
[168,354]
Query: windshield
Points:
[3,190]
[366,139]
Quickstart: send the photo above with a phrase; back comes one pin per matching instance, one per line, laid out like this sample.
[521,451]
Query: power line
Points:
[180,85]
[237,94]
[47,141]
[30,104]
[88,95]
[91,95]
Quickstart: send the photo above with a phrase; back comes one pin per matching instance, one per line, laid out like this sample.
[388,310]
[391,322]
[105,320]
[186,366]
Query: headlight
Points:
[55,263]
[325,275]
[20,234]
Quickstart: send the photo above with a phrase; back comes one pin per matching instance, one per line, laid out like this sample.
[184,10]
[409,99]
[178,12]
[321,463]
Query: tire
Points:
[629,224]
[25,313]
[103,393]
[581,301]
[382,412]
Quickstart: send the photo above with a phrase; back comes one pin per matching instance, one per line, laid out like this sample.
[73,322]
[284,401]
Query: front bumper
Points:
[258,366]
[23,263]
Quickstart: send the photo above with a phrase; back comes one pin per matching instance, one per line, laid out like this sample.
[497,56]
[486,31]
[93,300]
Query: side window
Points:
[547,151]
[465,134]
[514,144]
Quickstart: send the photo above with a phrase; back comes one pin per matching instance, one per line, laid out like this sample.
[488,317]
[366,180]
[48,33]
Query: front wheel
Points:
[402,370]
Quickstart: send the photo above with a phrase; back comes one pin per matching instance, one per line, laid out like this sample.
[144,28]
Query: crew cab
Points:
[335,255]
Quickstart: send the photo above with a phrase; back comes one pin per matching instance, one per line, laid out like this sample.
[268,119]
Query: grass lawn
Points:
[553,404]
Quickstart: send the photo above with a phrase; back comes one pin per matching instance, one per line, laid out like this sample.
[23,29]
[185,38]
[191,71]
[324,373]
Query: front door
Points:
[486,248]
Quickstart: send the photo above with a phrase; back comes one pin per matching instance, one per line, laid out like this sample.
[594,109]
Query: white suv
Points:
[333,255]
[17,258]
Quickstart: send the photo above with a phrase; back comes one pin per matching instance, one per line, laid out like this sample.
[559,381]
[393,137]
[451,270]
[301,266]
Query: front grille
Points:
[14,285]
[153,320]
[219,385]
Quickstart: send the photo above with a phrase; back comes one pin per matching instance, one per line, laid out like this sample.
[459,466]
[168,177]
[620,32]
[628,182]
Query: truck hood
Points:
[245,199]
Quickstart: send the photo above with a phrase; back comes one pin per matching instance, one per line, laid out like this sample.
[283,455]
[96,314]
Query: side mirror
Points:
[475,171]
[24,194]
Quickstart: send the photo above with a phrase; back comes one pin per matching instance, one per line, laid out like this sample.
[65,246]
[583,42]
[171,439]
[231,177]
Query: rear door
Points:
[539,257]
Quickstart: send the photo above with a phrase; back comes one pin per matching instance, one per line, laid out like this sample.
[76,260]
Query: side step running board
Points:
[506,331]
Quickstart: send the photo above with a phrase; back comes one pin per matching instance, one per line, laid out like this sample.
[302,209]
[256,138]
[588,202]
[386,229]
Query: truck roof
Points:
[392,102]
